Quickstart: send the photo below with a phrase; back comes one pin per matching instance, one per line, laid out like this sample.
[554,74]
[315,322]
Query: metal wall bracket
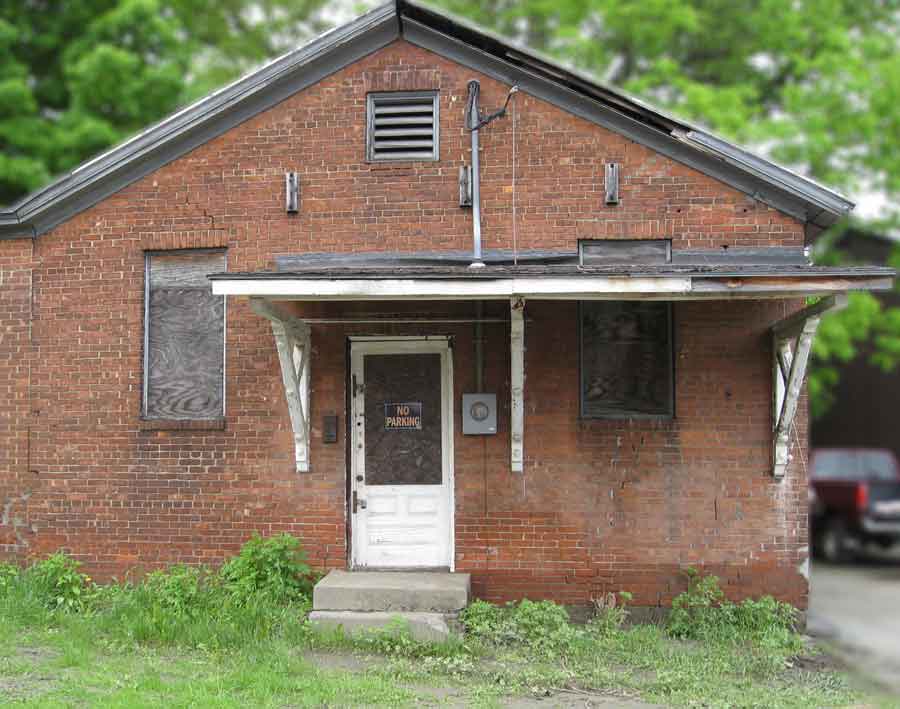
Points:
[291,192]
[292,339]
[465,185]
[517,384]
[792,340]
[612,183]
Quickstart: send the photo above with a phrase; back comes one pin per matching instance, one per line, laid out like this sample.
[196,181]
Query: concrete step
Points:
[425,627]
[392,592]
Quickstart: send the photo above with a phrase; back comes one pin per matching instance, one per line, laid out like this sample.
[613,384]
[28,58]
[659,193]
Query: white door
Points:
[402,453]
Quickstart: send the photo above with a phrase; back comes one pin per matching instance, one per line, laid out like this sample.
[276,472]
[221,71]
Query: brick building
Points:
[261,315]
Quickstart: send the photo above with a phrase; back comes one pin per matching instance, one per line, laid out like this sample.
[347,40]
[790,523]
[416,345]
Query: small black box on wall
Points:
[329,428]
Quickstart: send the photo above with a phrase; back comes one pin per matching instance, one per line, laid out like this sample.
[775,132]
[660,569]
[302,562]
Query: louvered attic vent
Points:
[402,126]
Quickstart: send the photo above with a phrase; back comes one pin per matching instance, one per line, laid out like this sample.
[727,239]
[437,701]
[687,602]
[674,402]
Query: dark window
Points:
[404,449]
[626,359]
[600,252]
[184,336]
[402,126]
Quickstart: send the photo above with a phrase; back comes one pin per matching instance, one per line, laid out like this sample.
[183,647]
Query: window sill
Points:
[619,418]
[216,424]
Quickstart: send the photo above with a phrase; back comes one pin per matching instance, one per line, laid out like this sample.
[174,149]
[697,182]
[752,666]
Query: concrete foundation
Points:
[426,627]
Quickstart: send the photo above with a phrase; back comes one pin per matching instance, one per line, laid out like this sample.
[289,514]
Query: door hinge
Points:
[357,388]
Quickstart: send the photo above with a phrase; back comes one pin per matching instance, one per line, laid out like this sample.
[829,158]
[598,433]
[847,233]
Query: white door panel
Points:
[402,517]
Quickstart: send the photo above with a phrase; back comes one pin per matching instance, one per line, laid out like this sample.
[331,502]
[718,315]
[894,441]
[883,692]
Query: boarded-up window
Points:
[184,339]
[626,359]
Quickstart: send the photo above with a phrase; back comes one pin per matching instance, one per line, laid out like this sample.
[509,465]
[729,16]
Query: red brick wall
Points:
[601,506]
[15,330]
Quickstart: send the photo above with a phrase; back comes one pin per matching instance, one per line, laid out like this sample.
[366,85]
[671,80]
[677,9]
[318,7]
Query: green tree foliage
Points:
[80,75]
[814,84]
[866,327]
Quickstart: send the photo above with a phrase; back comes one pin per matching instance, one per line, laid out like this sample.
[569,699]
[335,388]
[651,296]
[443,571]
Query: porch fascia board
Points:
[452,289]
[581,287]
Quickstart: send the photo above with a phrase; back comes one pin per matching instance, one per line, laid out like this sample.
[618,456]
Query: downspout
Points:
[473,123]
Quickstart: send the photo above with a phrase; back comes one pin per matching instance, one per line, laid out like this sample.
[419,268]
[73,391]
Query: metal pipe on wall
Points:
[473,121]
[479,346]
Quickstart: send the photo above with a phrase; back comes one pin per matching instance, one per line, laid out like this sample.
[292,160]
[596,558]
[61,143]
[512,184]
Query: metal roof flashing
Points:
[455,39]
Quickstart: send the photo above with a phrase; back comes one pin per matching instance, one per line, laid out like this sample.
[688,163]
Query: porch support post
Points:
[517,384]
[292,339]
[792,340]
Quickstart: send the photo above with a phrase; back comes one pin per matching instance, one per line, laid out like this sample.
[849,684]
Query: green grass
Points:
[276,676]
[192,638]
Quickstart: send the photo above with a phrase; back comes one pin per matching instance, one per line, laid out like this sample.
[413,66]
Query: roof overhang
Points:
[457,40]
[452,289]
[581,286]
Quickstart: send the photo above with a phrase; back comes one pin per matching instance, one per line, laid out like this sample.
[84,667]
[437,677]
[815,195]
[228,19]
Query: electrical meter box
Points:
[479,414]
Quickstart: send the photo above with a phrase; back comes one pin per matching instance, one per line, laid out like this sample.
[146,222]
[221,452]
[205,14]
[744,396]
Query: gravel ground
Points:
[856,608]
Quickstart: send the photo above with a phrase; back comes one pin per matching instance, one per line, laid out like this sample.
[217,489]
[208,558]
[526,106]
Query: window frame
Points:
[624,415]
[145,355]
[373,96]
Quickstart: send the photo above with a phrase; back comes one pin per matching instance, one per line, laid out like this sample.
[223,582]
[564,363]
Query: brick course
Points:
[602,505]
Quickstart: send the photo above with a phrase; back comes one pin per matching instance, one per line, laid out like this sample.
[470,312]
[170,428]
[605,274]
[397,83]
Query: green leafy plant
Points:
[9,574]
[540,625]
[275,567]
[484,620]
[179,590]
[256,596]
[610,613]
[695,610]
[59,584]
[703,613]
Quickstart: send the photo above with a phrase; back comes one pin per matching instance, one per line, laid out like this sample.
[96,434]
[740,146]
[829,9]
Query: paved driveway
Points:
[857,607]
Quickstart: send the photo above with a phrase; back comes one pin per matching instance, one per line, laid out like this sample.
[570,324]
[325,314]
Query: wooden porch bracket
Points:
[517,384]
[292,339]
[792,340]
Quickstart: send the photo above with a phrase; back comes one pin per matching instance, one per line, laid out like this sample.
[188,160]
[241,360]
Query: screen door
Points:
[401,487]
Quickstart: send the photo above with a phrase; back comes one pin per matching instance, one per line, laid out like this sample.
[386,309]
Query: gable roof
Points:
[450,37]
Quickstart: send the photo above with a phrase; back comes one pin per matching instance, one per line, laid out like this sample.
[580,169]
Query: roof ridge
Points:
[457,39]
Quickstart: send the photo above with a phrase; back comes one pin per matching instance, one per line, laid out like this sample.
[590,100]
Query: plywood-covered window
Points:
[627,368]
[184,337]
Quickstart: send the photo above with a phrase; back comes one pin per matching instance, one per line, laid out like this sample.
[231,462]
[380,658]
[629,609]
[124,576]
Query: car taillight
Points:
[862,496]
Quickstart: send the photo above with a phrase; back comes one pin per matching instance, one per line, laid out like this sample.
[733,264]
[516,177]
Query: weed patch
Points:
[57,583]
[238,636]
[275,568]
[764,625]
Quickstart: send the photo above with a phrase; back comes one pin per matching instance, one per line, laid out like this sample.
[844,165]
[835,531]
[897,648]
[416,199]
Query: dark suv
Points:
[854,500]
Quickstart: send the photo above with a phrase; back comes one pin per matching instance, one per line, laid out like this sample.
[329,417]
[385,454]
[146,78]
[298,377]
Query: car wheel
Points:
[833,542]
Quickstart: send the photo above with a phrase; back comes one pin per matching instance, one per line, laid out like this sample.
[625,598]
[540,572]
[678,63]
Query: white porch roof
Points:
[560,282]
